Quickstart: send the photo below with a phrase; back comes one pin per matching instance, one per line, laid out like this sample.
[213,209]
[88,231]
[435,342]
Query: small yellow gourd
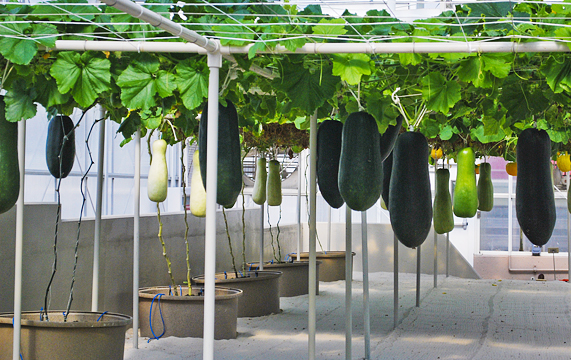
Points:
[157,184]
[564,163]
[197,191]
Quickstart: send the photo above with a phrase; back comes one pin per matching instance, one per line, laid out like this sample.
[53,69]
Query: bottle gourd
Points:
[387,169]
[274,186]
[535,202]
[328,154]
[465,191]
[157,183]
[197,192]
[443,217]
[259,191]
[9,169]
[360,166]
[410,204]
[60,146]
[485,188]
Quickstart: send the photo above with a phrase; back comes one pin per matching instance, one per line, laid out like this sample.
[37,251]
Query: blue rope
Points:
[162,319]
[225,275]
[100,316]
[170,291]
[180,287]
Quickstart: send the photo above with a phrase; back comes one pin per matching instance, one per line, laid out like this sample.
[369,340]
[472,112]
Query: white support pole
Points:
[299,233]
[262,209]
[19,246]
[510,215]
[328,228]
[312,236]
[435,259]
[396,282]
[418,276]
[98,208]
[136,236]
[366,309]
[214,64]
[447,254]
[348,284]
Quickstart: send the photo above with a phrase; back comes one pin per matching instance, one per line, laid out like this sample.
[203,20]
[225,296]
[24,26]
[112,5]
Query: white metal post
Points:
[214,64]
[435,259]
[447,254]
[299,233]
[136,236]
[348,284]
[396,281]
[262,207]
[19,246]
[312,235]
[328,228]
[510,215]
[98,208]
[366,309]
[418,276]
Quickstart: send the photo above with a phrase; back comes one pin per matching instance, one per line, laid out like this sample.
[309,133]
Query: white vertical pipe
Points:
[328,228]
[214,64]
[262,207]
[418,276]
[19,246]
[299,234]
[396,281]
[98,207]
[312,235]
[136,236]
[447,254]
[435,259]
[348,284]
[510,215]
[366,309]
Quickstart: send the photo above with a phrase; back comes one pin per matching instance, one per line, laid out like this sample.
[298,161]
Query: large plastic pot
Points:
[332,266]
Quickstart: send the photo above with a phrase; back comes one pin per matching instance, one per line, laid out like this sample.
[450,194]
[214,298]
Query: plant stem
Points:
[165,250]
[183,185]
[230,242]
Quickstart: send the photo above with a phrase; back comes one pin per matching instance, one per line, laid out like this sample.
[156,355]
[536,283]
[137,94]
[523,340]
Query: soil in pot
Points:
[332,266]
[295,276]
[183,316]
[85,335]
[261,291]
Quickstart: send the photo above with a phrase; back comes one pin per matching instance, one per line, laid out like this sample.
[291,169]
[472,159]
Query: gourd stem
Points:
[272,235]
[230,243]
[183,185]
[160,235]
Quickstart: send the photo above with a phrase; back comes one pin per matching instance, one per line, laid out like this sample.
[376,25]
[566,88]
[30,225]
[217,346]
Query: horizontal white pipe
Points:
[160,21]
[323,48]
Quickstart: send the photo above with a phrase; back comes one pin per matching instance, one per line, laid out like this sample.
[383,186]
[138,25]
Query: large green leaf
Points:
[330,28]
[85,75]
[440,95]
[48,93]
[472,70]
[498,64]
[20,102]
[307,89]
[192,85]
[142,80]
[520,100]
[479,134]
[350,67]
[557,71]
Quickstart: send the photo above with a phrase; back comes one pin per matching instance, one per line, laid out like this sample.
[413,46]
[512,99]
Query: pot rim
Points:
[326,254]
[265,275]
[222,293]
[282,264]
[107,319]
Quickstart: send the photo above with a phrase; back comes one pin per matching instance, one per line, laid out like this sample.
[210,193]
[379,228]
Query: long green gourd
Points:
[157,183]
[9,169]
[57,144]
[389,138]
[274,185]
[535,202]
[485,188]
[443,217]
[410,204]
[197,192]
[259,191]
[465,191]
[328,154]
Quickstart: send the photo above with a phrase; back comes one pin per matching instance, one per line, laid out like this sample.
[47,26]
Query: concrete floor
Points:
[460,319]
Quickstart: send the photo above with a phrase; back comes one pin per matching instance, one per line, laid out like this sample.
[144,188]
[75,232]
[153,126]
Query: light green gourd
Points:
[465,190]
[274,185]
[157,184]
[443,218]
[197,191]
[259,191]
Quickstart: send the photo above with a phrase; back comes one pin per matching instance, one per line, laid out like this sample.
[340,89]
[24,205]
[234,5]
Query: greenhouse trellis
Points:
[215,53]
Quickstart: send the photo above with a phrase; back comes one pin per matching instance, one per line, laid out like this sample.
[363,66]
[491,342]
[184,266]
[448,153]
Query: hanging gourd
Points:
[60,146]
[387,169]
[197,192]
[259,191]
[274,185]
[9,169]
[410,204]
[535,202]
[564,163]
[360,166]
[389,138]
[465,190]
[443,217]
[328,154]
[229,162]
[157,183]
[485,188]
[511,168]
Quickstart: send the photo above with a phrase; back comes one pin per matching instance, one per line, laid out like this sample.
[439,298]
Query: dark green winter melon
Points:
[328,154]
